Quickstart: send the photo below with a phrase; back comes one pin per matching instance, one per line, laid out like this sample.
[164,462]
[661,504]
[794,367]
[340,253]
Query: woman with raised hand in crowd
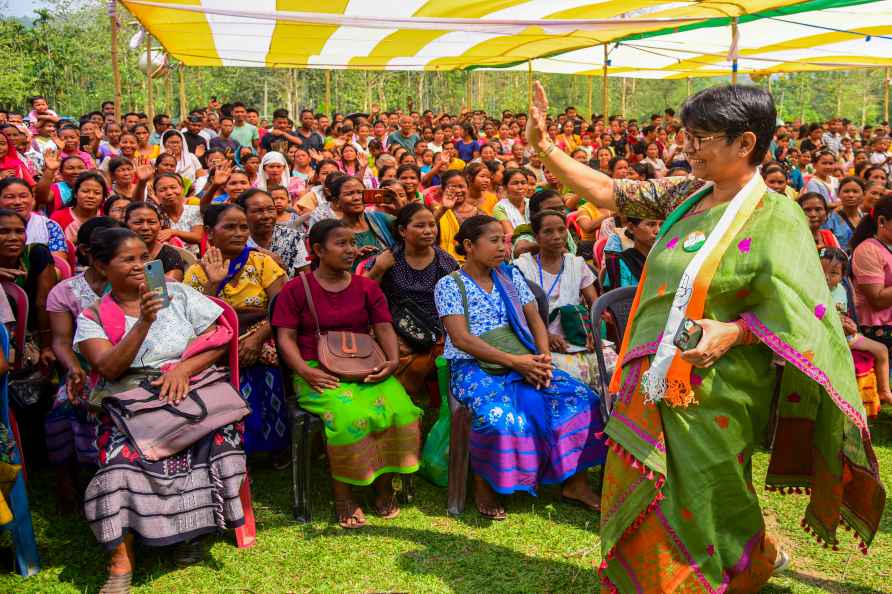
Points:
[283,242]
[532,424]
[16,195]
[723,260]
[843,221]
[408,274]
[56,195]
[71,425]
[130,337]
[145,219]
[569,285]
[90,191]
[453,209]
[372,429]
[247,279]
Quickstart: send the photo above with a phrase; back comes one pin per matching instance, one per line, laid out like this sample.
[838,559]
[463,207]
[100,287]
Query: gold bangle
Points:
[548,150]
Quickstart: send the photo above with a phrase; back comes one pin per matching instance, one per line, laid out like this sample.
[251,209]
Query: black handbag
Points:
[412,325]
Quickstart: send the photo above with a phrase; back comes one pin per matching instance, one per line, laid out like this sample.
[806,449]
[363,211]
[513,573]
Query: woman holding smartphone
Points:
[682,432]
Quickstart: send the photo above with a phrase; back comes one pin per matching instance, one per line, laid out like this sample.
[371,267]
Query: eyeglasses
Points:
[695,142]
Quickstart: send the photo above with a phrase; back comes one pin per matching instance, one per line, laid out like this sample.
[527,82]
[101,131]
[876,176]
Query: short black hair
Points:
[280,113]
[733,110]
[237,104]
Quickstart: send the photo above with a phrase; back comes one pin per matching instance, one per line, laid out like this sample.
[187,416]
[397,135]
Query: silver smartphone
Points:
[155,280]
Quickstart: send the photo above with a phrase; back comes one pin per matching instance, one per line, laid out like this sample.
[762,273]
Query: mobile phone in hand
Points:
[377,197]
[155,280]
[688,335]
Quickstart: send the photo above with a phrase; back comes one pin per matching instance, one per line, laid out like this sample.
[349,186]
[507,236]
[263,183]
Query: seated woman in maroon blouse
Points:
[371,428]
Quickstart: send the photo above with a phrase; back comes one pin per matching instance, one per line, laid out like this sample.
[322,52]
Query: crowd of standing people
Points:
[395,239]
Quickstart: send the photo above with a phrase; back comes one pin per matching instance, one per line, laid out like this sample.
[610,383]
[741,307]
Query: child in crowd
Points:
[40,112]
[834,261]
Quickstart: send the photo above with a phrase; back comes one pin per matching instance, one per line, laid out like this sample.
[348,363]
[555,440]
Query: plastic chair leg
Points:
[246,535]
[13,424]
[459,436]
[301,435]
[26,557]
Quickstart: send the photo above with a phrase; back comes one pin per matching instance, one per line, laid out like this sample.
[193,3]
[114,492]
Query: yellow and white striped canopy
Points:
[839,37]
[429,34]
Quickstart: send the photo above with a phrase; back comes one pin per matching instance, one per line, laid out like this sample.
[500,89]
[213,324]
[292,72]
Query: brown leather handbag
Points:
[349,355]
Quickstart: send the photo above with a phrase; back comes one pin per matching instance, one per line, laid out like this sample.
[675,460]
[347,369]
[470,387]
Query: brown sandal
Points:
[347,510]
[117,584]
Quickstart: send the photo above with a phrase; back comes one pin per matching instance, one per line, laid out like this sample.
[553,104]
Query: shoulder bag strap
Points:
[303,278]
[463,291]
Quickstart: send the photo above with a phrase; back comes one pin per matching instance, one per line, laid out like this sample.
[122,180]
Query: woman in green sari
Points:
[680,509]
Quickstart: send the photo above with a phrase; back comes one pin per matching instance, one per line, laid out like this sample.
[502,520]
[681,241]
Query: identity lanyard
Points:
[557,279]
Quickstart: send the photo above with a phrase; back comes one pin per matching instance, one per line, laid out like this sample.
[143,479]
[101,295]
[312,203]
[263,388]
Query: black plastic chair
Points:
[618,304]
[305,426]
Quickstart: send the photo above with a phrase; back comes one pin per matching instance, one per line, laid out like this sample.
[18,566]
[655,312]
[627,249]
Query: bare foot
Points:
[487,501]
[577,490]
[886,397]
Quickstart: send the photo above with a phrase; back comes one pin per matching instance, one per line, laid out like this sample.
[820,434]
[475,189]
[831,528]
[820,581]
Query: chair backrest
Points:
[541,300]
[63,268]
[20,299]
[617,303]
[4,379]
[598,253]
[232,318]
[572,224]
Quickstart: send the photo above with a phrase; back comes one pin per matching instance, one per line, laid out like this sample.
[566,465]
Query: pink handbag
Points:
[158,429]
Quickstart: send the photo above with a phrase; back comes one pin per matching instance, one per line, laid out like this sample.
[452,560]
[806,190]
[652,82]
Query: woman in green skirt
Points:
[372,428]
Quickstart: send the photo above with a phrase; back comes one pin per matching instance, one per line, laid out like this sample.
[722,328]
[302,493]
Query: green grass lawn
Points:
[544,546]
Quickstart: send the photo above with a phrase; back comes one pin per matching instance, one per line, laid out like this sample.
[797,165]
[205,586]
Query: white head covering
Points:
[188,164]
[273,157]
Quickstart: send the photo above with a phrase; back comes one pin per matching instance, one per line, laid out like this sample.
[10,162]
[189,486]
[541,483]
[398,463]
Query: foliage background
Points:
[63,53]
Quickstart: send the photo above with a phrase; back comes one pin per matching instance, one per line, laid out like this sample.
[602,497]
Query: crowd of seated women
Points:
[434,239]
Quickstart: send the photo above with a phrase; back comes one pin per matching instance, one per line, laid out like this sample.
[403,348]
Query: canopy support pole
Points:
[605,92]
[589,78]
[181,71]
[769,83]
[690,86]
[327,110]
[529,82]
[468,88]
[623,96]
[265,99]
[116,69]
[886,93]
[150,101]
[734,50]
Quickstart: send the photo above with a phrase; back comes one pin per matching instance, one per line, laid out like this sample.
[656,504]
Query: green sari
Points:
[680,512]
[370,429]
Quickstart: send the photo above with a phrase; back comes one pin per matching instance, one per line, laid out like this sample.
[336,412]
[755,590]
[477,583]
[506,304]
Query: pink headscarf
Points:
[11,160]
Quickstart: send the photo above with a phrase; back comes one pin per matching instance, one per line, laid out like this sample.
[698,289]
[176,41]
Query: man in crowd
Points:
[309,138]
[405,136]
[282,136]
[194,140]
[245,133]
[161,123]
[224,140]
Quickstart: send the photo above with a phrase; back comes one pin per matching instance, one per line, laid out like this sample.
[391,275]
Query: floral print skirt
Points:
[522,436]
[370,429]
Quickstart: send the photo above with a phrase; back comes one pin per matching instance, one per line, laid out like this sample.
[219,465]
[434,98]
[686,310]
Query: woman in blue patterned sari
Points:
[532,424]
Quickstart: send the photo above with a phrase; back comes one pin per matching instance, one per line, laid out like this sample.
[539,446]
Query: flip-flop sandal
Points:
[497,516]
[117,584]
[580,503]
[189,553]
[347,510]
[782,563]
[388,511]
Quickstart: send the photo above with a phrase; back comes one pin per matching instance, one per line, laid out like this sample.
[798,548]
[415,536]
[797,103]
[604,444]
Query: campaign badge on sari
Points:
[694,241]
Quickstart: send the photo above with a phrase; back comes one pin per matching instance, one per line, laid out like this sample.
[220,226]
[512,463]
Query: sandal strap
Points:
[117,584]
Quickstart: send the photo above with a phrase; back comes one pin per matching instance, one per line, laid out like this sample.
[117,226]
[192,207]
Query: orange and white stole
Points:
[669,376]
